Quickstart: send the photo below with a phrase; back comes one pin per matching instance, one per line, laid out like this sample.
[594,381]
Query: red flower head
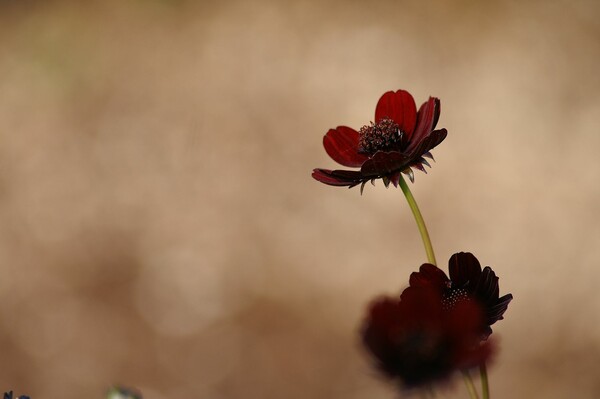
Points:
[399,140]
[438,325]
[416,341]
[467,282]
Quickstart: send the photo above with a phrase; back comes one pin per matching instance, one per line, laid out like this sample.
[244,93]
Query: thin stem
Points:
[485,384]
[470,386]
[419,219]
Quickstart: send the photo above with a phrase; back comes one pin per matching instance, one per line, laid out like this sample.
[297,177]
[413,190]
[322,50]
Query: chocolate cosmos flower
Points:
[467,282]
[438,325]
[399,140]
[417,341]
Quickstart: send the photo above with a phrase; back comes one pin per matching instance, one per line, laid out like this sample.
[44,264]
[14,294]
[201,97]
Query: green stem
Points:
[470,386]
[419,219]
[485,384]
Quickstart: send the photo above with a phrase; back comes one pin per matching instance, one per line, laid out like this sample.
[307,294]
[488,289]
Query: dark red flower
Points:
[417,341]
[467,282]
[400,139]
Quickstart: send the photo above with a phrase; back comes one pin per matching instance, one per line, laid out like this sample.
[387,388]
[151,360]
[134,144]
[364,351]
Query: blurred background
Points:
[159,227]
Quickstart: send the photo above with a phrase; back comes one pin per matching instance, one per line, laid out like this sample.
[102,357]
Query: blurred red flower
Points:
[400,139]
[438,325]
[467,281]
[416,341]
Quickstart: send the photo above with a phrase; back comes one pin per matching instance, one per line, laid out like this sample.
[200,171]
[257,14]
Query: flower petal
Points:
[429,142]
[467,320]
[399,106]
[384,163]
[428,276]
[435,138]
[341,145]
[419,165]
[383,319]
[395,178]
[496,312]
[464,269]
[438,111]
[338,177]
[427,115]
[487,289]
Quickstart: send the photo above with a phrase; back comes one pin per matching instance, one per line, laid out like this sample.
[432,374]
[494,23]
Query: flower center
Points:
[382,136]
[453,296]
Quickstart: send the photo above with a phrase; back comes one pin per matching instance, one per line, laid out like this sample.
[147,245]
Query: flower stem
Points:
[485,384]
[419,219]
[470,386]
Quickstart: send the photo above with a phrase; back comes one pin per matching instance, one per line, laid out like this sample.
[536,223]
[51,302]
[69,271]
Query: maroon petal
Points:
[341,144]
[467,324]
[496,312]
[383,319]
[421,305]
[428,143]
[419,165]
[436,116]
[464,268]
[399,106]
[487,289]
[466,319]
[384,313]
[435,138]
[395,178]
[337,177]
[428,276]
[425,122]
[384,163]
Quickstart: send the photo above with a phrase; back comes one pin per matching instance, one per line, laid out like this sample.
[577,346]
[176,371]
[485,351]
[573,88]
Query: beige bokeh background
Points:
[159,227]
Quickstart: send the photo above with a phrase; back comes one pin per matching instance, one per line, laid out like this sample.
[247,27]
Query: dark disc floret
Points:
[454,296]
[383,136]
